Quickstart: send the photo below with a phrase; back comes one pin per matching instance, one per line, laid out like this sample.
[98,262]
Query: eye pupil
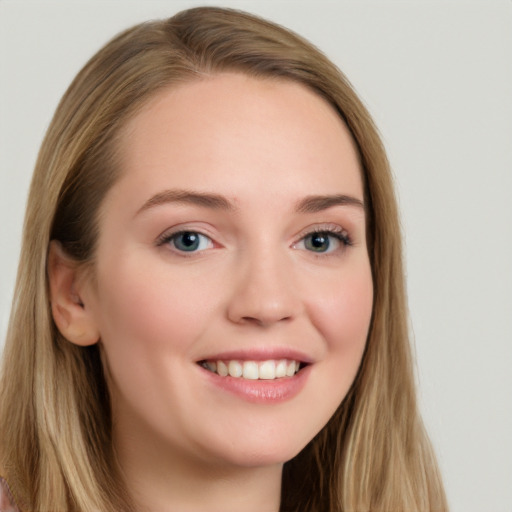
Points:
[187,241]
[318,242]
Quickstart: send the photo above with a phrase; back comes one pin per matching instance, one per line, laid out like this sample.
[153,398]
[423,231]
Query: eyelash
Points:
[336,232]
[168,238]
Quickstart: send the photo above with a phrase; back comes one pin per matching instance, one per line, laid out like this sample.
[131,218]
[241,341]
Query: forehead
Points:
[235,133]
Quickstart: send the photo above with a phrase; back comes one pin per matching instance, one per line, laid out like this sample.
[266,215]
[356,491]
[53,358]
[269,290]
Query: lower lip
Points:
[261,391]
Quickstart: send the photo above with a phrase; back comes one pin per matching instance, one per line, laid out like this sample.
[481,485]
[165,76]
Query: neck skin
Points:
[165,480]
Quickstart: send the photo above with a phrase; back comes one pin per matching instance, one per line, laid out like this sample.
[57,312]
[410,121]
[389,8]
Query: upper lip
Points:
[259,354]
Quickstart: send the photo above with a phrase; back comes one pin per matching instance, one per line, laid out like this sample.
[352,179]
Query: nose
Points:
[265,291]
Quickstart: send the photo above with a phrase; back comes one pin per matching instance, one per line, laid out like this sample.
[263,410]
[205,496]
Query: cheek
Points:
[342,310]
[148,310]
[150,322]
[342,314]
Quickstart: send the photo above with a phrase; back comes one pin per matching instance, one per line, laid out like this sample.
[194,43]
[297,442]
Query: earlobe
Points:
[71,316]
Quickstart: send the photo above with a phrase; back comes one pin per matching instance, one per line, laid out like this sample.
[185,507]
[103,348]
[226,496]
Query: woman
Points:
[210,308]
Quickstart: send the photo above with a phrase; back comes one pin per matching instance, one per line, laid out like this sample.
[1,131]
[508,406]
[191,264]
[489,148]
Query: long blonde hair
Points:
[55,430]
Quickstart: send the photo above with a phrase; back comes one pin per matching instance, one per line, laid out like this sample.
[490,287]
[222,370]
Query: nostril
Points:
[264,320]
[263,295]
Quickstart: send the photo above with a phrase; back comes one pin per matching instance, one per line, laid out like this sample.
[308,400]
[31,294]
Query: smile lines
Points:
[254,370]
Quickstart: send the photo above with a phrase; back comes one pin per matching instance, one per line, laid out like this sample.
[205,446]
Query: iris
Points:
[317,242]
[187,241]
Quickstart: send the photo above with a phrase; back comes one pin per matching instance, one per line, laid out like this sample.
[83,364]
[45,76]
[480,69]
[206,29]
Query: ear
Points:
[73,319]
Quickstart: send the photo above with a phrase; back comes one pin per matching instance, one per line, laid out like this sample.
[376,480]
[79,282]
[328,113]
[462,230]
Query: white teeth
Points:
[290,369]
[235,369]
[254,370]
[268,370]
[222,369]
[281,368]
[250,370]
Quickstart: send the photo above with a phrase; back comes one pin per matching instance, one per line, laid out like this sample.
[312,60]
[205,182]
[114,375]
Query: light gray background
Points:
[437,77]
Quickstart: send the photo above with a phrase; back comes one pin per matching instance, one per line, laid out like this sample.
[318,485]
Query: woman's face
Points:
[234,242]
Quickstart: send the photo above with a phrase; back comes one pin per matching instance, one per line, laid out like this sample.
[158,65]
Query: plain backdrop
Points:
[437,77]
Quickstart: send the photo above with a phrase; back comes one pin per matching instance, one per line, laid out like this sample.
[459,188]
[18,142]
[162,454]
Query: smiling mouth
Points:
[254,370]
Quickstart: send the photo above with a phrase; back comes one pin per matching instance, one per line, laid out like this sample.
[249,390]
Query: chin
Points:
[264,451]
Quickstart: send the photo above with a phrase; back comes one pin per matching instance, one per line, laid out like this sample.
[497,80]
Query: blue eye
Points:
[189,241]
[324,241]
[317,242]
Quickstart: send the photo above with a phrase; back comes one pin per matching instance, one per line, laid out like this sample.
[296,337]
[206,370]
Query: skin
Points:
[263,146]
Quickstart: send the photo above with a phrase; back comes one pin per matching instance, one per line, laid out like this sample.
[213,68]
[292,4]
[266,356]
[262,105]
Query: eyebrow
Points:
[310,204]
[212,201]
[313,204]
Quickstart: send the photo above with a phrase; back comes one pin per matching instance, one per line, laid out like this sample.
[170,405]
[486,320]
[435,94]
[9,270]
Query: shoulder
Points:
[7,503]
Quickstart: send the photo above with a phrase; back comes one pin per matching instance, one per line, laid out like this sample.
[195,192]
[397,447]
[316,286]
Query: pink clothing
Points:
[7,503]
